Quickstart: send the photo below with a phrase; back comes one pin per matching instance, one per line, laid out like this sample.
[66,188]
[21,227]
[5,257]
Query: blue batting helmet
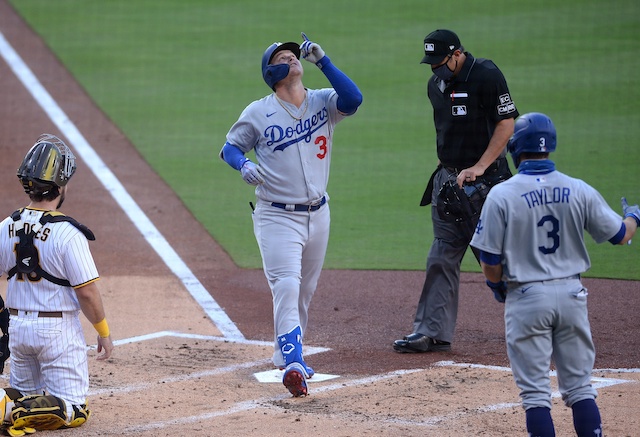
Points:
[533,132]
[272,74]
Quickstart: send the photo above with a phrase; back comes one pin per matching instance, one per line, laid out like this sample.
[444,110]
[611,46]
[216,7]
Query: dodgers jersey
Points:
[63,252]
[536,222]
[292,145]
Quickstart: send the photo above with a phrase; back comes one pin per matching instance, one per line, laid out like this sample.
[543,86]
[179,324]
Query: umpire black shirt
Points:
[467,109]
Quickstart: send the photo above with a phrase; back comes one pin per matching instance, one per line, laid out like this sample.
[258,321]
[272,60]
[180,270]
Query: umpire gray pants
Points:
[437,310]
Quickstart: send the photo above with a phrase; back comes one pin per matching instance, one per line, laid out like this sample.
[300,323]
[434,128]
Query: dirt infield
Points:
[174,372]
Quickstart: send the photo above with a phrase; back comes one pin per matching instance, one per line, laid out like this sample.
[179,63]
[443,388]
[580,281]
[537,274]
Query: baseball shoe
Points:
[309,372]
[294,379]
[417,343]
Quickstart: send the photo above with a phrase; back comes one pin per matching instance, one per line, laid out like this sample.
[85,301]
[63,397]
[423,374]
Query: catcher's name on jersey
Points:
[546,196]
[302,130]
[42,234]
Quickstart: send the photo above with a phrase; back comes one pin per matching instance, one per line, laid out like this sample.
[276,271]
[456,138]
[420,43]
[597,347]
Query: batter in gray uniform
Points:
[291,133]
[531,238]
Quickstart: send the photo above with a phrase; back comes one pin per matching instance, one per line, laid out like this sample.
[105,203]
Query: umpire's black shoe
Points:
[417,343]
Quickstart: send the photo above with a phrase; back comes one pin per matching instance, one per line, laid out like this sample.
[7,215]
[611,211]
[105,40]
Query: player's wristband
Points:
[102,327]
[323,62]
[630,214]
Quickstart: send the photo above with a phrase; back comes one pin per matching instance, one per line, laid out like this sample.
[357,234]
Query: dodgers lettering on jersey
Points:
[292,145]
[284,136]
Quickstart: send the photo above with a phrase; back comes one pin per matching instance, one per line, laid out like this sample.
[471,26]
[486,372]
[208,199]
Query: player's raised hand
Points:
[252,173]
[310,51]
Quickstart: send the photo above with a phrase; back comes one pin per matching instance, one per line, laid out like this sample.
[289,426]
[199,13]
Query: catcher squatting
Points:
[51,278]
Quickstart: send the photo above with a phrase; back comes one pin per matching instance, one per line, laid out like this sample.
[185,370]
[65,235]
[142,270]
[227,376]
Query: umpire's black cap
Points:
[438,45]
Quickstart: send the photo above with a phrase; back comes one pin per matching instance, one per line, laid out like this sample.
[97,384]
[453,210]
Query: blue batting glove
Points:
[631,210]
[499,290]
[310,51]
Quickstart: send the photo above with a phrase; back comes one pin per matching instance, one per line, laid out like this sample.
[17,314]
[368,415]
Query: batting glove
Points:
[311,51]
[631,210]
[251,173]
[499,290]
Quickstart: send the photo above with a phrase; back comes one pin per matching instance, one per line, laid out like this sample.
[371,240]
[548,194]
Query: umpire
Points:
[474,119]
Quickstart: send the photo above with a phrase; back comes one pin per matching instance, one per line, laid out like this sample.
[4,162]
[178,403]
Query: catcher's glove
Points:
[455,204]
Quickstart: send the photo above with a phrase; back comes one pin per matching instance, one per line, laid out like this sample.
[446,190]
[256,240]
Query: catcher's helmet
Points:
[273,74]
[49,163]
[533,132]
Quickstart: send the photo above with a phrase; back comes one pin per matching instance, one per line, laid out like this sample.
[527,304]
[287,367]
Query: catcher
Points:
[51,279]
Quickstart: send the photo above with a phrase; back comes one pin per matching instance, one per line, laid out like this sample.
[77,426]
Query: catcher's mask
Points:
[273,74]
[455,204]
[48,164]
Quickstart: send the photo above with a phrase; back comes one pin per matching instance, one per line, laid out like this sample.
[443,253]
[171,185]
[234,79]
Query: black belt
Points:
[54,314]
[493,167]
[289,207]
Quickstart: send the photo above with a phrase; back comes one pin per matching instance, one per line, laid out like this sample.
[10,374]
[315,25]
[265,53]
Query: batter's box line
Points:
[308,350]
[598,382]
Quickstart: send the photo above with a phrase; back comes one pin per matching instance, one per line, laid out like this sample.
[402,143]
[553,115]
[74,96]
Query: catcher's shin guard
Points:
[44,412]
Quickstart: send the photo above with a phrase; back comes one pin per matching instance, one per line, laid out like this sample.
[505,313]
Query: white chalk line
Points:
[105,176]
[309,350]
[433,421]
[268,402]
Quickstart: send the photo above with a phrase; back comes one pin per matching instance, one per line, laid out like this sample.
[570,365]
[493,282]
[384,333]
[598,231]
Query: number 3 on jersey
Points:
[321,142]
[552,234]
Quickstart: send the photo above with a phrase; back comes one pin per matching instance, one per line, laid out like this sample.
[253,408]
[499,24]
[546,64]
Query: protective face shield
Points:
[533,132]
[273,74]
[48,163]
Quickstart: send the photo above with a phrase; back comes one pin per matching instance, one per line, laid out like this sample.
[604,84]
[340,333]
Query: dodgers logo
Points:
[283,137]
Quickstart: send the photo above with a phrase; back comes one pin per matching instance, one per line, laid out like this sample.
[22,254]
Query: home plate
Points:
[275,375]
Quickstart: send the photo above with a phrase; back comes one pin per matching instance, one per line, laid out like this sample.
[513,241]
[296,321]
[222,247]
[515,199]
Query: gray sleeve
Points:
[489,234]
[602,222]
[243,133]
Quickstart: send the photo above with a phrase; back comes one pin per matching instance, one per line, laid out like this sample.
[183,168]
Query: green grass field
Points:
[175,75]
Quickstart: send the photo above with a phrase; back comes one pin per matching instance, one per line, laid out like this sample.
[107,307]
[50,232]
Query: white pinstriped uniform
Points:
[48,353]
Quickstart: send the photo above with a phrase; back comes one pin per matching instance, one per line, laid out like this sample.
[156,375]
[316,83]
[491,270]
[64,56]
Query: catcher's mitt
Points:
[455,204]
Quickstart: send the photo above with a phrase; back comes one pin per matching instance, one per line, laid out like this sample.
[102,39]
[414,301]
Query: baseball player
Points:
[51,279]
[532,251]
[291,133]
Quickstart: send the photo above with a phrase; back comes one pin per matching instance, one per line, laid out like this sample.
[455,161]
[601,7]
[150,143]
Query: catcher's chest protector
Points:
[27,258]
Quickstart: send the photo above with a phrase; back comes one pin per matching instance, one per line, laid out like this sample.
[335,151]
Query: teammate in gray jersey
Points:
[291,133]
[531,238]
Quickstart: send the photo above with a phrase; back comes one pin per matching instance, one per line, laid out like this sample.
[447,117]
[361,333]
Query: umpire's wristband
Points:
[102,327]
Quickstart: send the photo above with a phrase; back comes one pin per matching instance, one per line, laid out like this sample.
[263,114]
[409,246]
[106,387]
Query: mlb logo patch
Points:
[429,47]
[459,110]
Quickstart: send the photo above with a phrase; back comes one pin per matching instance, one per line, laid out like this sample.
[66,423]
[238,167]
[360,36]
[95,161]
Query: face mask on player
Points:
[443,71]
